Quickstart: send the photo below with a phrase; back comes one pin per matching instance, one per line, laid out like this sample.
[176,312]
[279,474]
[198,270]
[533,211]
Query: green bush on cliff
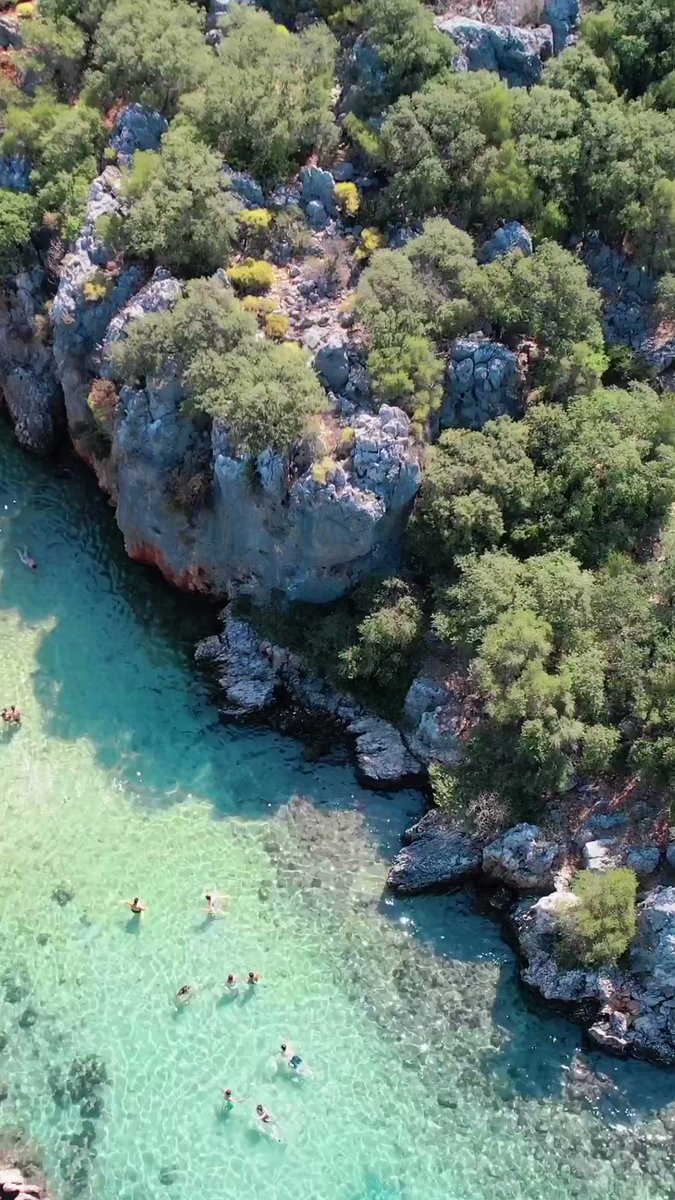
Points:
[387,638]
[264,391]
[601,927]
[17,220]
[182,213]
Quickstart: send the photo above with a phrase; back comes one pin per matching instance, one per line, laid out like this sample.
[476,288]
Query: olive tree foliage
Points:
[182,214]
[265,101]
[263,392]
[17,220]
[149,51]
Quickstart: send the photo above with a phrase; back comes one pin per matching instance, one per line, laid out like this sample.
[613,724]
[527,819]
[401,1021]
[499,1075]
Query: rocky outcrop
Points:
[439,856]
[137,128]
[28,381]
[435,717]
[625,1013]
[91,291]
[484,382]
[318,187]
[14,172]
[523,859]
[505,240]
[251,675]
[629,292]
[18,1182]
[517,54]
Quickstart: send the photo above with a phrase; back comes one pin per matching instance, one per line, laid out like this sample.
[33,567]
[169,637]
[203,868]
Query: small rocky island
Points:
[385,365]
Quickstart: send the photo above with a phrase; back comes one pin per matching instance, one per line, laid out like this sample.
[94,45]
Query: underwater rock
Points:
[62,895]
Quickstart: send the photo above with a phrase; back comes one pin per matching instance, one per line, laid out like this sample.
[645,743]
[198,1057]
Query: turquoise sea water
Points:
[432,1079]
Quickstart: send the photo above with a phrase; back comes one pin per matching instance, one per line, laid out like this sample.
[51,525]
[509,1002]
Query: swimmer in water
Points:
[27,559]
[137,906]
[185,993]
[11,715]
[264,1116]
[214,903]
[232,983]
[253,978]
[293,1060]
[229,1100]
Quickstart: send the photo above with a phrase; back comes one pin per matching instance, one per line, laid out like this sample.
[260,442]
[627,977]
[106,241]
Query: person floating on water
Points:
[137,906]
[268,1123]
[185,993]
[253,978]
[229,1100]
[232,984]
[11,715]
[27,559]
[293,1060]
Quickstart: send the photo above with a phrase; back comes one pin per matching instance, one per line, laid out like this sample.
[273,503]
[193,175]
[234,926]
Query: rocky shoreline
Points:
[524,872]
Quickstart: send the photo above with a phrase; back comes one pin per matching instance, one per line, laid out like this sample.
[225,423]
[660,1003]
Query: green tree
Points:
[546,297]
[182,213]
[17,221]
[599,930]
[57,49]
[149,51]
[409,48]
[579,70]
[266,104]
[387,639]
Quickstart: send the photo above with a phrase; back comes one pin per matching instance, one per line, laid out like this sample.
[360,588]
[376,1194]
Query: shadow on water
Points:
[536,1046]
[114,664]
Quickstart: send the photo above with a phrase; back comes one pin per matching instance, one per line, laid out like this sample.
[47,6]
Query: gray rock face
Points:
[440,856]
[629,316]
[137,128]
[317,216]
[382,757]
[80,324]
[537,926]
[670,855]
[653,953]
[10,34]
[250,674]
[310,540]
[644,860]
[247,188]
[522,858]
[602,854]
[510,237]
[14,172]
[484,382]
[318,185]
[435,715]
[27,369]
[517,54]
[563,17]
[246,680]
[332,364]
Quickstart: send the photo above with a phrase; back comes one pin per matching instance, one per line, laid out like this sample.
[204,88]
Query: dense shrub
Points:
[149,51]
[601,927]
[252,277]
[182,213]
[265,103]
[17,221]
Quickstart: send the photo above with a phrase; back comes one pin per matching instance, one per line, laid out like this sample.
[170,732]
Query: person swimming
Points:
[232,983]
[27,559]
[214,903]
[137,907]
[229,1100]
[293,1060]
[253,978]
[11,715]
[185,993]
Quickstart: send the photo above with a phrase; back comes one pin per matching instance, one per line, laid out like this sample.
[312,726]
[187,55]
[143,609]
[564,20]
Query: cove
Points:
[433,1078]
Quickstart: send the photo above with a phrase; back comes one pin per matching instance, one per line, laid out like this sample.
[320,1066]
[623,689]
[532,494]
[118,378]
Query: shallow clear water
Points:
[431,1078]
